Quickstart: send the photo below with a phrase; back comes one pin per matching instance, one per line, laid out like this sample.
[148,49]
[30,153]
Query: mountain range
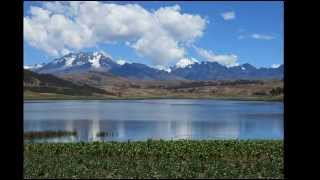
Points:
[98,62]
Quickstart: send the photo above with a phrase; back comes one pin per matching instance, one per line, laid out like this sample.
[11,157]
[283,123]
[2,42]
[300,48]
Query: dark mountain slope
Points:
[142,72]
[47,83]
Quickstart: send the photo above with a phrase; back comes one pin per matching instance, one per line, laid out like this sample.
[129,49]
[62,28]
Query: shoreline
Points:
[272,99]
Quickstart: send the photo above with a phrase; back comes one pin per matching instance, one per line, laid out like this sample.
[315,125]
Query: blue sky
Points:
[254,34]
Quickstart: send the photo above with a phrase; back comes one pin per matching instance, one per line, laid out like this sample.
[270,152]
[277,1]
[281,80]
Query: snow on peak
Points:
[58,60]
[243,68]
[184,62]
[95,53]
[163,68]
[82,58]
[69,60]
[106,54]
[121,62]
[35,66]
[95,59]
[275,65]
[27,67]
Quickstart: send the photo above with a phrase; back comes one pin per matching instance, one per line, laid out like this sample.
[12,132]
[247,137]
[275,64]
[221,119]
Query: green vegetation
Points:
[47,134]
[155,159]
[276,91]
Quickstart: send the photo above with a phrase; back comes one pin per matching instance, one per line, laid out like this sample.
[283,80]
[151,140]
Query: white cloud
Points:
[63,7]
[55,33]
[262,37]
[176,23]
[275,65]
[228,15]
[228,60]
[184,62]
[256,36]
[160,35]
[161,49]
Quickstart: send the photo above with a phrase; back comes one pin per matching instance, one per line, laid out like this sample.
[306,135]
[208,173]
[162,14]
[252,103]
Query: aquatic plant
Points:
[47,134]
[104,134]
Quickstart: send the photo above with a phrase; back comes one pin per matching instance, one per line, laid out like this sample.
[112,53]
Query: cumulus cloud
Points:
[228,15]
[262,36]
[175,23]
[228,60]
[55,33]
[162,49]
[69,9]
[160,35]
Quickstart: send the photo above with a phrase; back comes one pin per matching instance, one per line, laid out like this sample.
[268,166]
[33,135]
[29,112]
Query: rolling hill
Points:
[47,83]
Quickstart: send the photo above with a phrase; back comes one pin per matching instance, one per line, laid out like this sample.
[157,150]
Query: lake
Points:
[155,119]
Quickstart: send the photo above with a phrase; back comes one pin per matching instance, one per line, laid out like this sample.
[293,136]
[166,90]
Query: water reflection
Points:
[182,130]
[156,120]
[87,130]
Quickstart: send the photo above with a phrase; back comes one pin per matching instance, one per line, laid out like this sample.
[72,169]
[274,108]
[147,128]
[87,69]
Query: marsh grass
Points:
[47,134]
[105,134]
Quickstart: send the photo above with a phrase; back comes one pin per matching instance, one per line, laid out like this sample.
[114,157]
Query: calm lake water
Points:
[156,119]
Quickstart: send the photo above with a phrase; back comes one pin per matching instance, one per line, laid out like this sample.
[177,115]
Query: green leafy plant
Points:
[155,159]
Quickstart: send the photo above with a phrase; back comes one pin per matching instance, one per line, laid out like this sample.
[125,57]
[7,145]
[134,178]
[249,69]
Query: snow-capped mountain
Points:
[189,69]
[122,62]
[216,71]
[78,62]
[142,72]
[185,63]
[275,65]
[163,68]
[33,67]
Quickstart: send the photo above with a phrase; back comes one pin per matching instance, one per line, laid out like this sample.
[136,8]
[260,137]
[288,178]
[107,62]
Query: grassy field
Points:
[271,90]
[155,159]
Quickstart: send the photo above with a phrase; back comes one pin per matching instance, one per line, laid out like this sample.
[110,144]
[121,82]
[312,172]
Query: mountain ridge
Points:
[188,70]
